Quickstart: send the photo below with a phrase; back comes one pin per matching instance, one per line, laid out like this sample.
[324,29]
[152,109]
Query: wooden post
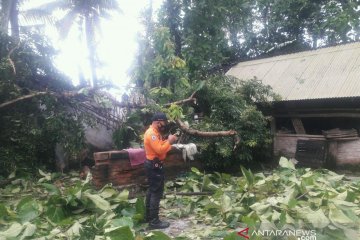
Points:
[331,157]
[298,126]
[273,125]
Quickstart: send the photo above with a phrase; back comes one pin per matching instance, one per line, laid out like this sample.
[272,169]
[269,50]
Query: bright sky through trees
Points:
[116,47]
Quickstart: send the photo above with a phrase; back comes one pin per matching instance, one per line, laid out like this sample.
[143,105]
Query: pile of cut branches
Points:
[285,199]
[65,207]
[210,206]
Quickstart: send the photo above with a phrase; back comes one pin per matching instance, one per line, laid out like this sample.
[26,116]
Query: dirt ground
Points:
[177,227]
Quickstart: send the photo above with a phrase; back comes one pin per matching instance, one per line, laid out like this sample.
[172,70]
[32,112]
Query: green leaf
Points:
[123,196]
[140,209]
[292,203]
[12,175]
[3,211]
[225,203]
[206,182]
[121,222]
[46,176]
[157,235]
[351,234]
[74,230]
[316,218]
[13,231]
[120,233]
[284,163]
[337,234]
[260,208]
[28,209]
[195,170]
[248,176]
[108,192]
[56,213]
[98,201]
[282,218]
[51,188]
[29,230]
[337,216]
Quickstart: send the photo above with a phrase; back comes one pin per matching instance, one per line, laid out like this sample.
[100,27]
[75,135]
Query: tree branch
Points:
[9,57]
[190,99]
[190,193]
[197,133]
[67,94]
[180,102]
[22,98]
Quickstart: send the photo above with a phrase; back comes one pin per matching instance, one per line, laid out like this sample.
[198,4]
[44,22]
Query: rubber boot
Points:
[157,224]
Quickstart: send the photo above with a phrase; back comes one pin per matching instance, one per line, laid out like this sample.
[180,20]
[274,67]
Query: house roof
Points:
[332,72]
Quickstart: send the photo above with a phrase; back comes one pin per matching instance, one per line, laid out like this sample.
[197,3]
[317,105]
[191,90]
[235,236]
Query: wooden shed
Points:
[317,122]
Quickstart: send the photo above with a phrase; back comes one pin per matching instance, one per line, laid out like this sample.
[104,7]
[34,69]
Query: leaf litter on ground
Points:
[65,207]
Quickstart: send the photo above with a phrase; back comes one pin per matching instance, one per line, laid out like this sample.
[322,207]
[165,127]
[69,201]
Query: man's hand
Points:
[172,139]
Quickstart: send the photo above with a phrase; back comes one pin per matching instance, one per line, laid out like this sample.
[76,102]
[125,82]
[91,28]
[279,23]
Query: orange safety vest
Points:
[154,146]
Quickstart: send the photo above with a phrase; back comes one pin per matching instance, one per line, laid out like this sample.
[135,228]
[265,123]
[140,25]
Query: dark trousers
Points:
[155,176]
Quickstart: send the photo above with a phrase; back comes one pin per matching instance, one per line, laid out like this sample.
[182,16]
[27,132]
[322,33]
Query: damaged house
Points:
[317,120]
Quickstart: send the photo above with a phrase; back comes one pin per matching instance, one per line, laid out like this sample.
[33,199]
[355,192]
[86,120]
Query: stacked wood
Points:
[341,134]
[114,167]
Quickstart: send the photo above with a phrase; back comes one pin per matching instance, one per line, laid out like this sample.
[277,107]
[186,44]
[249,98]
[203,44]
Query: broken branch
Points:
[22,98]
[67,94]
[190,193]
[197,133]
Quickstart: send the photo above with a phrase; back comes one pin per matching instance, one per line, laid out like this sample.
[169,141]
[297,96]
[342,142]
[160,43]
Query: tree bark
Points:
[197,133]
[22,98]
[190,193]
[89,31]
[5,15]
[14,19]
[173,12]
[180,102]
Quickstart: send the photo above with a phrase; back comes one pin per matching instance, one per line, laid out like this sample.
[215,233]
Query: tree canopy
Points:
[183,53]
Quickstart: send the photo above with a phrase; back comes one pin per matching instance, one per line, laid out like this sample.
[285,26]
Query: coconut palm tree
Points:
[87,15]
[9,14]
[12,12]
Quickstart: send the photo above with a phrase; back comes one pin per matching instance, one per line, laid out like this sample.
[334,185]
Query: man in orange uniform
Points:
[156,149]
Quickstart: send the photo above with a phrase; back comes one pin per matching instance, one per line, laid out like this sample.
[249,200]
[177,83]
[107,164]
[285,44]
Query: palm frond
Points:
[56,5]
[34,16]
[64,25]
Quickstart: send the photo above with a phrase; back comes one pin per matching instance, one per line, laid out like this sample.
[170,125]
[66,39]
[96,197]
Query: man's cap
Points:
[159,116]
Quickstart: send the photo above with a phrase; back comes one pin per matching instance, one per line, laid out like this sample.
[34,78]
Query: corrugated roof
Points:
[332,72]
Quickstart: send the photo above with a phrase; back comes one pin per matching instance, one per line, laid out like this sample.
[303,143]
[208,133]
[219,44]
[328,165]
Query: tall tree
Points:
[5,15]
[14,18]
[87,14]
[172,19]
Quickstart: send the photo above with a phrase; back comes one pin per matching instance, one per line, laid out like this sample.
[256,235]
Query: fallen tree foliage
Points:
[288,199]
